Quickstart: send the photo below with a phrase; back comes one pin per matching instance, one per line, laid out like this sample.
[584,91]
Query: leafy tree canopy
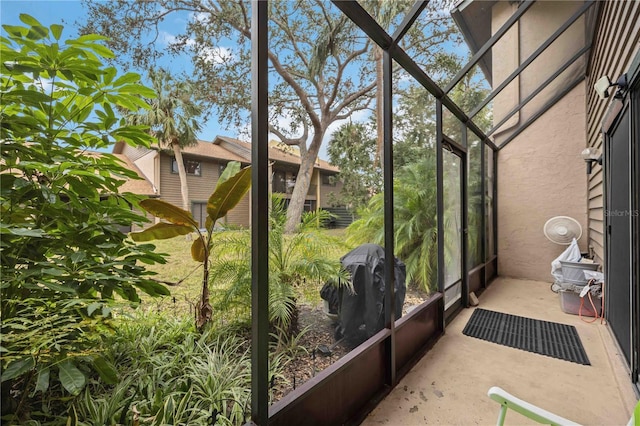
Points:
[321,67]
[173,118]
[352,148]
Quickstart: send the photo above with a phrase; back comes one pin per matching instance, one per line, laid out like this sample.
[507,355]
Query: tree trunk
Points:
[184,187]
[303,180]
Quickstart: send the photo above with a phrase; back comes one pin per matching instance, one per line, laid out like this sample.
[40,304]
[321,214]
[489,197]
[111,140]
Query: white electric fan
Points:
[562,230]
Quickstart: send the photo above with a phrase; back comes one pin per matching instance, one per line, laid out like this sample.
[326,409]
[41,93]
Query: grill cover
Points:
[361,312]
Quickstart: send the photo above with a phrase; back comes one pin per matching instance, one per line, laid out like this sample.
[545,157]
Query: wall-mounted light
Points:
[590,156]
[604,83]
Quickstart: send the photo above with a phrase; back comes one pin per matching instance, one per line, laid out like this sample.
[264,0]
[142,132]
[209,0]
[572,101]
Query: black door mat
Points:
[541,337]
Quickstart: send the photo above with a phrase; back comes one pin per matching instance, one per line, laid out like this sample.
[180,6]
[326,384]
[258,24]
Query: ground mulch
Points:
[321,332]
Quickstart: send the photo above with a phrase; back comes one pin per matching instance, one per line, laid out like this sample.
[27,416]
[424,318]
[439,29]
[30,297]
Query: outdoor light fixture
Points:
[603,84]
[590,156]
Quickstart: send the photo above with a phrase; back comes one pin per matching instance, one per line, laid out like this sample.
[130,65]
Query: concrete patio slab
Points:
[449,385]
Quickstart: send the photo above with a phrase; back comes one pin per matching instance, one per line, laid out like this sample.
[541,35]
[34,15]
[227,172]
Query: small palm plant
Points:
[415,221]
[232,186]
[296,261]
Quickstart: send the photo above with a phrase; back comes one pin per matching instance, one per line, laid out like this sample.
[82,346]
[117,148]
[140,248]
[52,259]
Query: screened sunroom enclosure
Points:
[458,164]
[461,120]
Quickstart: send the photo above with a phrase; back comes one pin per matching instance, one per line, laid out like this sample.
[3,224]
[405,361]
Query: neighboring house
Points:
[205,162]
[546,111]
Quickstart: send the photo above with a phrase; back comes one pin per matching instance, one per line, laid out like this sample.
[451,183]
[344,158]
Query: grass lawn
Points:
[180,264]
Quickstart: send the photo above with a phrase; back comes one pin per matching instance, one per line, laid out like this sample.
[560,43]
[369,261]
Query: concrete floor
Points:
[449,385]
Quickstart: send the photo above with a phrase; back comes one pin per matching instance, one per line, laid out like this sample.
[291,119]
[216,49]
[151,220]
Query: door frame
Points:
[460,151]
[629,104]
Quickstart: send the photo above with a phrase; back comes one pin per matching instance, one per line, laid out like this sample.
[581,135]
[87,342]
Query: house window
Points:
[222,167]
[328,180]
[192,167]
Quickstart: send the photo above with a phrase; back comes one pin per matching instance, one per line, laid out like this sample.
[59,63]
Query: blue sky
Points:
[70,12]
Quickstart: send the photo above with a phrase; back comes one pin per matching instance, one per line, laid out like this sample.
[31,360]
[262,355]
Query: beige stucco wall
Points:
[540,175]
[147,165]
[506,58]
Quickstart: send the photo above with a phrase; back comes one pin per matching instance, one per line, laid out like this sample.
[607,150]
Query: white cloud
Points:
[217,55]
[213,55]
[199,17]
[167,38]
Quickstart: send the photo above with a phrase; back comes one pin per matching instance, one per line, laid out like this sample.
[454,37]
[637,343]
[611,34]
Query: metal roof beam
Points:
[408,20]
[488,45]
[259,212]
[534,55]
[402,58]
[542,110]
[539,89]
[362,19]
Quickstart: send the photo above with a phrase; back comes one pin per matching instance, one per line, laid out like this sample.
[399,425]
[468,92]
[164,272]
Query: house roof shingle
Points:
[241,152]
[211,150]
[276,154]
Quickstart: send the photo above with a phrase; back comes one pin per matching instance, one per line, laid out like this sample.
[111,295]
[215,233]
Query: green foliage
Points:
[172,374]
[321,65]
[173,118]
[475,212]
[64,259]
[232,186]
[415,219]
[415,183]
[352,148]
[173,112]
[295,260]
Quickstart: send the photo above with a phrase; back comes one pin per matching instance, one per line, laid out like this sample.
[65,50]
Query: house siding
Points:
[241,213]
[200,188]
[616,42]
[155,165]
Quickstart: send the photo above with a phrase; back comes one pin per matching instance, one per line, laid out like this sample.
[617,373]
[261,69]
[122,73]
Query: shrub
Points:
[64,259]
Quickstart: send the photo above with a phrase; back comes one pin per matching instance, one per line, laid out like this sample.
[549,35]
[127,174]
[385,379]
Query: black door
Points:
[618,213]
[634,132]
[635,229]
